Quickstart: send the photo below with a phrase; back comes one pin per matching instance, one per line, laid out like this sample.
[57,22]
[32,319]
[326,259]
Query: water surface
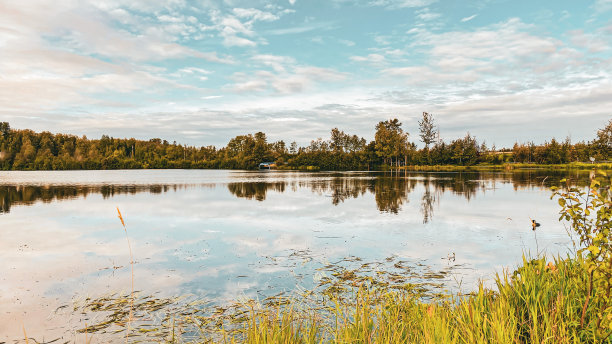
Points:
[227,235]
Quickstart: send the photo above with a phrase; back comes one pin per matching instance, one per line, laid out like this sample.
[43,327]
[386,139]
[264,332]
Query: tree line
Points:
[28,150]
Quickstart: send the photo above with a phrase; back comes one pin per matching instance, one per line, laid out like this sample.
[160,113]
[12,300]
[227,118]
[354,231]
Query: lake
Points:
[231,235]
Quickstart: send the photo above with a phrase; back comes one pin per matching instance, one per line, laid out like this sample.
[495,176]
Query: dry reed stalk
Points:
[24,333]
[132,267]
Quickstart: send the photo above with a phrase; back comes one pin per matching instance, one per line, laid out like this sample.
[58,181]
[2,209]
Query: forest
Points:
[391,147]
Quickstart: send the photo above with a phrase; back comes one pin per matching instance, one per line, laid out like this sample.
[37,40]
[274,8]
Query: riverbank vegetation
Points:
[28,150]
[540,302]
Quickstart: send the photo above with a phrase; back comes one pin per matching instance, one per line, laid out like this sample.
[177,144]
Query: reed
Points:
[25,335]
[540,302]
[129,320]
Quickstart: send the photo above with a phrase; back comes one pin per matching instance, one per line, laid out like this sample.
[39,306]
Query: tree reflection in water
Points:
[255,190]
[391,190]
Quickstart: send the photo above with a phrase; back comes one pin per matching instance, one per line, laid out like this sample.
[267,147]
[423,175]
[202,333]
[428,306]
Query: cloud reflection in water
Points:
[224,234]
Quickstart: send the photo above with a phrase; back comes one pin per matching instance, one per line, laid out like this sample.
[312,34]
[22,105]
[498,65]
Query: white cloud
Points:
[603,5]
[234,28]
[317,39]
[594,43]
[467,19]
[347,42]
[254,14]
[302,29]
[286,78]
[72,57]
[194,70]
[426,15]
[503,47]
[58,57]
[278,63]
[394,4]
[231,40]
[374,59]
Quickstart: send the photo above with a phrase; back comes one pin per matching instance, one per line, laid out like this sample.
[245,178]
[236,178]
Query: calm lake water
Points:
[227,235]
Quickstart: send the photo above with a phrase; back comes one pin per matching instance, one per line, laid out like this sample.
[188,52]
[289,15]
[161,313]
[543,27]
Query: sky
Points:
[201,72]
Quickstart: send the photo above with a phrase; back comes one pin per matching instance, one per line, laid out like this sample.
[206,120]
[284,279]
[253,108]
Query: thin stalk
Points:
[132,268]
[586,302]
[25,334]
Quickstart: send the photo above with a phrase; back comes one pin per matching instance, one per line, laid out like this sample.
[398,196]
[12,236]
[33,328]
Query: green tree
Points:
[390,140]
[337,140]
[5,129]
[465,150]
[604,142]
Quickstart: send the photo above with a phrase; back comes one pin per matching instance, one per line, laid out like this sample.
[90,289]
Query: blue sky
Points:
[202,72]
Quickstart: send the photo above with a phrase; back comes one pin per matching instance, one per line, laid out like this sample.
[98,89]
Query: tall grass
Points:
[537,303]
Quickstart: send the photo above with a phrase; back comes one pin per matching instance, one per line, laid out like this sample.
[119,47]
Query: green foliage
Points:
[540,302]
[390,141]
[465,151]
[27,150]
[603,142]
[5,129]
[589,213]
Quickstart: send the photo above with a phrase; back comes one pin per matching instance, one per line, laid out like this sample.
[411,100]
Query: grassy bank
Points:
[480,167]
[513,166]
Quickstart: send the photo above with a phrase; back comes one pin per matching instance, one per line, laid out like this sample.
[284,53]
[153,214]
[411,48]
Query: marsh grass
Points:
[539,302]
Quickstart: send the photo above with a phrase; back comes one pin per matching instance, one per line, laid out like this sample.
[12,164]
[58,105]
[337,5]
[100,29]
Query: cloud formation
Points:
[93,67]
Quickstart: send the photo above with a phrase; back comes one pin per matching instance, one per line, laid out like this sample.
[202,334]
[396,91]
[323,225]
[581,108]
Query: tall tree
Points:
[293,148]
[604,141]
[5,129]
[426,129]
[337,140]
[390,140]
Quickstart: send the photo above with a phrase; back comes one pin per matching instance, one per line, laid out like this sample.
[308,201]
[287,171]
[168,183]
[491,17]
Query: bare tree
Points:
[426,127]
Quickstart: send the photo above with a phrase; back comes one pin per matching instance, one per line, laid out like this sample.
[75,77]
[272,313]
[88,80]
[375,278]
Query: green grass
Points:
[511,166]
[540,302]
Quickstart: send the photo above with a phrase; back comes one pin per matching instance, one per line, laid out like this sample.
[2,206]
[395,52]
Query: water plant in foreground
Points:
[540,302]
